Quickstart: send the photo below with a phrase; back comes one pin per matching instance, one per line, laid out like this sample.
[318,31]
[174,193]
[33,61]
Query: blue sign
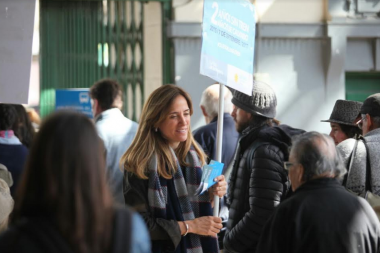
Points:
[74,99]
[228,43]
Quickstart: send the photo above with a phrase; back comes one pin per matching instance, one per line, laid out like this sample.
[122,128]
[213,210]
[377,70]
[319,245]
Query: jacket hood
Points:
[281,136]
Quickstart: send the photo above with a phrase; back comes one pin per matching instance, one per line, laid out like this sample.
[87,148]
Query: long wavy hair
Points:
[64,182]
[148,142]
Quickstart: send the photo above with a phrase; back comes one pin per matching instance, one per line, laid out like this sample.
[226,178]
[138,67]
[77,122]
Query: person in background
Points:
[12,152]
[116,131]
[23,127]
[206,136]
[258,181]
[6,200]
[63,203]
[356,152]
[34,118]
[163,169]
[342,120]
[320,216]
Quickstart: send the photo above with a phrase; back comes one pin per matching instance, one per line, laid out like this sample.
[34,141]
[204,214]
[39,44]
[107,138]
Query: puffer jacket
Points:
[255,192]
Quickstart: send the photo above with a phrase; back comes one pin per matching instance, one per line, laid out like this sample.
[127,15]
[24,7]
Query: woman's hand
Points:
[220,188]
[206,225]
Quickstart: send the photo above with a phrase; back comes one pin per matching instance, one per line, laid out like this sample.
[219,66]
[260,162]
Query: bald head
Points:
[210,101]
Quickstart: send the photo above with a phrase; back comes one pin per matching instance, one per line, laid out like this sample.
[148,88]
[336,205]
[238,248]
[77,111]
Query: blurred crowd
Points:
[73,184]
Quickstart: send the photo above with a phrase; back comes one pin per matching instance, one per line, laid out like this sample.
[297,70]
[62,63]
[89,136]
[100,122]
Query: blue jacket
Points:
[206,137]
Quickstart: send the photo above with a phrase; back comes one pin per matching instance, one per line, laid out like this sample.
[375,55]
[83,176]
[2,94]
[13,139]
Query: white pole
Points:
[219,140]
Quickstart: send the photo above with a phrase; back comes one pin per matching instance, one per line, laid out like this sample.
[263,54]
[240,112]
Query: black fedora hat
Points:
[345,112]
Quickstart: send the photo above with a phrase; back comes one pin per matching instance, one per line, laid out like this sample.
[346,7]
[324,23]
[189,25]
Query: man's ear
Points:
[301,172]
[96,110]
[204,111]
[118,102]
[369,122]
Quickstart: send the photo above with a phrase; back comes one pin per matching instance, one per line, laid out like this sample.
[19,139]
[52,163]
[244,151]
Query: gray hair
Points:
[318,155]
[376,121]
[210,100]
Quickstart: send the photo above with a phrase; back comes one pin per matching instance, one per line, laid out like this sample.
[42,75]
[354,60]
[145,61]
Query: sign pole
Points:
[228,42]
[219,140]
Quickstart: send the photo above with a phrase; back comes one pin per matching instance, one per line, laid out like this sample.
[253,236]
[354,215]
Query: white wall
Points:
[291,11]
[16,29]
[269,11]
[295,69]
[152,47]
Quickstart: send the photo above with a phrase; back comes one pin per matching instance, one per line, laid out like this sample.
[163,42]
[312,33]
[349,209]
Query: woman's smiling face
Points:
[175,127]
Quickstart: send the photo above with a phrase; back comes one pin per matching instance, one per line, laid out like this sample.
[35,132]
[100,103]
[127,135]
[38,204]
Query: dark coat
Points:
[38,235]
[167,232]
[13,157]
[321,217]
[254,192]
[206,137]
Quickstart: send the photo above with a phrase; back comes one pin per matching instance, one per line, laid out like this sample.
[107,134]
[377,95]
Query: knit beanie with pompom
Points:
[263,101]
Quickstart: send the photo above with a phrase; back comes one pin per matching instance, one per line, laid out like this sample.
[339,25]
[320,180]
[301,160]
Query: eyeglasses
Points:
[287,165]
[360,122]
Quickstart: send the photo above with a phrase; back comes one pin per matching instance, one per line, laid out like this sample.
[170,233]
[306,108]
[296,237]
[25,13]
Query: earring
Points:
[156,129]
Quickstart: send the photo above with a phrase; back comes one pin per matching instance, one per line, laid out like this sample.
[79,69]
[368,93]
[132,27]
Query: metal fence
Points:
[84,41]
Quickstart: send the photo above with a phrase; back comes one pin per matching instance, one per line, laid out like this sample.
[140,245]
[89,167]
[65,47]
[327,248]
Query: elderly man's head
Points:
[313,156]
[210,102]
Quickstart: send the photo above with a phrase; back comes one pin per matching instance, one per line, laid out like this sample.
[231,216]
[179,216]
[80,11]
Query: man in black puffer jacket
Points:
[258,181]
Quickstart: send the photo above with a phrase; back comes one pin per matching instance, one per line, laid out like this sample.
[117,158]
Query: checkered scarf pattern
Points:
[186,181]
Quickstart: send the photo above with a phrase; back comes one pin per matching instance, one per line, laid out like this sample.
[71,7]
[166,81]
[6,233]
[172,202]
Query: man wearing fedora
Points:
[258,181]
[343,120]
[356,152]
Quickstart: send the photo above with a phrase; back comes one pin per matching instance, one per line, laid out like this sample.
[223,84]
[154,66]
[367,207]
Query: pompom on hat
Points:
[263,101]
[345,112]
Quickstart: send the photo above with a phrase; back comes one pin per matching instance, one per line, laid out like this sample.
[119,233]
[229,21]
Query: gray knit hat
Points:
[263,101]
[345,112]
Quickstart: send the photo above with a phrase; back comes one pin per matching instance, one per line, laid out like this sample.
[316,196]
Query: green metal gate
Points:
[83,41]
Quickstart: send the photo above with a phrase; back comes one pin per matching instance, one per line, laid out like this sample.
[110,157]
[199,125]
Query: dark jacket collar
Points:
[319,183]
[281,136]
[225,115]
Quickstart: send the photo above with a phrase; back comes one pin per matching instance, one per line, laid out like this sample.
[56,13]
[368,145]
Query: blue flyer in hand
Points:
[209,173]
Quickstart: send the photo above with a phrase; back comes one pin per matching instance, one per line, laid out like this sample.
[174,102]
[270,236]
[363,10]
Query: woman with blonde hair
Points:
[163,169]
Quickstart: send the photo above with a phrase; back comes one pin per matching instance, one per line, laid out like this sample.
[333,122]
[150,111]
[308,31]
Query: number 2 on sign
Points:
[213,18]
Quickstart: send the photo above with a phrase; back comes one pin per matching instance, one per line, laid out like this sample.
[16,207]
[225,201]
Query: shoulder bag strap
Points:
[350,162]
[368,181]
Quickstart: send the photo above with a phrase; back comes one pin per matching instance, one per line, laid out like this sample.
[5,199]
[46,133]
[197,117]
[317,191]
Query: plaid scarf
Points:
[186,180]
